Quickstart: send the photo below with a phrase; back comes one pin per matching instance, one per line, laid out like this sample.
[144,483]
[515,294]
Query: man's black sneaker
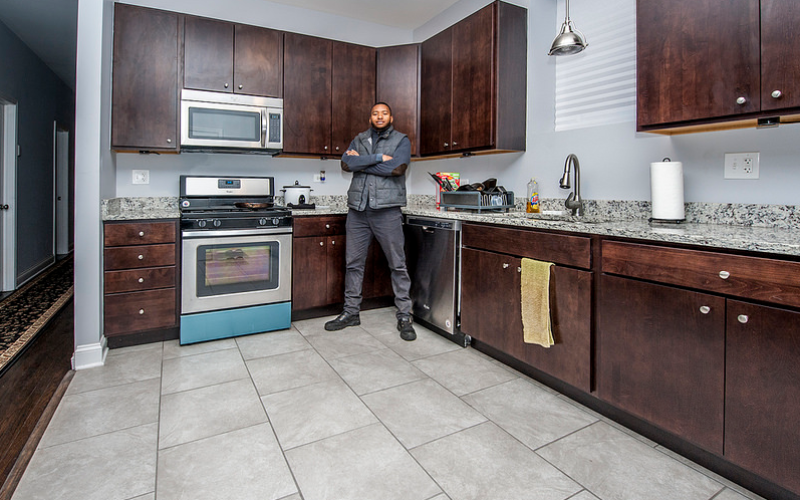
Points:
[343,321]
[406,330]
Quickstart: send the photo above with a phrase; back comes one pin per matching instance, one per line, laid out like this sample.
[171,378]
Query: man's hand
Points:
[386,157]
[352,152]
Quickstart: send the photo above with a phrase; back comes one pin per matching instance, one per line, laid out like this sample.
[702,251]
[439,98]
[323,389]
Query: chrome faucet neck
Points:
[573,201]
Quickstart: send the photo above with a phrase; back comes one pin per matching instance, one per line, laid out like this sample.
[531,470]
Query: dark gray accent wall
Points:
[41,98]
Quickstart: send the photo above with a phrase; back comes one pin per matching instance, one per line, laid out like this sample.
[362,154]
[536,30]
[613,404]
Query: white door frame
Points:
[8,196]
[60,189]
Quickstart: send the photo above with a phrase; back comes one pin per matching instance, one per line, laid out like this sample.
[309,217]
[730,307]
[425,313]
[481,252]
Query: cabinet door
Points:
[145,79]
[780,46]
[352,92]
[309,268]
[662,357]
[490,309]
[208,55]
[473,81]
[307,95]
[258,61]
[694,59]
[436,92]
[398,84]
[762,397]
[334,277]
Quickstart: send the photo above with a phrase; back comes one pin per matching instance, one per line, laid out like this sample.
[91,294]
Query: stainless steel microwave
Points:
[217,121]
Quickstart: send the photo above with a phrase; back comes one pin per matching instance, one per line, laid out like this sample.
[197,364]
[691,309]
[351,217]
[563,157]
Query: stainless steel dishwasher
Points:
[433,257]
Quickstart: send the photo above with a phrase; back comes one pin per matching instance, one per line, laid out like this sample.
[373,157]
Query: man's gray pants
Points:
[386,226]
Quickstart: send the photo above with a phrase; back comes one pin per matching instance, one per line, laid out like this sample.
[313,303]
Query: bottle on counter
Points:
[532,205]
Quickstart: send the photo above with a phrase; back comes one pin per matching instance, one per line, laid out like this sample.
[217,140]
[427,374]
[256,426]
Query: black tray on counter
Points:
[478,201]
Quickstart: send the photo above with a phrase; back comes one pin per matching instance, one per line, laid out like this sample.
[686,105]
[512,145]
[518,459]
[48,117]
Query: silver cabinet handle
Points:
[742,318]
[325,148]
[322,243]
[519,269]
[327,226]
[333,242]
[226,85]
[741,101]
[337,148]
[240,86]
[505,266]
[141,234]
[776,94]
[705,309]
[141,311]
[445,144]
[724,275]
[455,143]
[141,280]
[169,141]
[141,257]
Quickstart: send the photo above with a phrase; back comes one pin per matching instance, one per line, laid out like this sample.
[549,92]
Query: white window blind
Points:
[598,86]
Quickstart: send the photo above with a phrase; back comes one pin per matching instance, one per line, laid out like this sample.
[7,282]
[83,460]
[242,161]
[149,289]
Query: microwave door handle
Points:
[264,128]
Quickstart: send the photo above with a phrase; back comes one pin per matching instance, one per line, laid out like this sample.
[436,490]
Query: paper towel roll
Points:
[666,190]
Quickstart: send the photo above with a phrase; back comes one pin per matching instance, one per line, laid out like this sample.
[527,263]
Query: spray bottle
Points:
[532,205]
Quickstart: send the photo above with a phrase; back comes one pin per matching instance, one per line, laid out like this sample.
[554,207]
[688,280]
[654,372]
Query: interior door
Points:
[62,202]
[8,170]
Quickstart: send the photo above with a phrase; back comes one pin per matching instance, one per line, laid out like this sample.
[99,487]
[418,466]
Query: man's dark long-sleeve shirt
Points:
[374,164]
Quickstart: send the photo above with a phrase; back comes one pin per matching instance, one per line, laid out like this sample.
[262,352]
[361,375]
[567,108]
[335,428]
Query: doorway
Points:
[61,191]
[8,194]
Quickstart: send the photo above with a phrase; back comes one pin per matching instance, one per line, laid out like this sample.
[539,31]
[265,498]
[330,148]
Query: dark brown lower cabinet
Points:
[661,357]
[491,312]
[318,264]
[762,392]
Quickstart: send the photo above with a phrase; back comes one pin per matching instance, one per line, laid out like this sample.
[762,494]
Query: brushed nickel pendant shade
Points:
[569,40]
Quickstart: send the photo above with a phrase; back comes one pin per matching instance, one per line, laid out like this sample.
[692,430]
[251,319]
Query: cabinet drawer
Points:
[139,233]
[756,278]
[139,256]
[139,279]
[318,226]
[137,311]
[557,248]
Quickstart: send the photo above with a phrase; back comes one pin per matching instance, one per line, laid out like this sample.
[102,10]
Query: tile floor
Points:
[357,414]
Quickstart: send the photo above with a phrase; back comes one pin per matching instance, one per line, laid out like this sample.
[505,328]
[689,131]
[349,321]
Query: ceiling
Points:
[49,27]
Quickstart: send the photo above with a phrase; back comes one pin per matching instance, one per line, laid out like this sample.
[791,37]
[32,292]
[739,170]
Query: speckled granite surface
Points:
[760,228]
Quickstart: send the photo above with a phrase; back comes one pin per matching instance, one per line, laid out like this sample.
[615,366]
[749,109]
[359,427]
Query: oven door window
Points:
[235,268]
[224,124]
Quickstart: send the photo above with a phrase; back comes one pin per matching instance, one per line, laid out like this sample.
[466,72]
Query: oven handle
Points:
[236,232]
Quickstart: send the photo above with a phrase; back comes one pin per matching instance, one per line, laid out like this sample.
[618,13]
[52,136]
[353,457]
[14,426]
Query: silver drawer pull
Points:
[141,280]
[505,266]
[327,226]
[741,101]
[141,257]
[724,275]
[742,318]
[141,234]
[519,269]
[333,242]
[705,309]
[776,94]
[141,311]
[322,243]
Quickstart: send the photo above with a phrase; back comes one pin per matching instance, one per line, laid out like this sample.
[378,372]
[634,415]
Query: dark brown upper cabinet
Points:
[701,62]
[226,57]
[144,109]
[398,86]
[473,83]
[329,91]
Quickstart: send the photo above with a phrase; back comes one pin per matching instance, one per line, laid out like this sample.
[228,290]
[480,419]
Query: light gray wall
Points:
[41,98]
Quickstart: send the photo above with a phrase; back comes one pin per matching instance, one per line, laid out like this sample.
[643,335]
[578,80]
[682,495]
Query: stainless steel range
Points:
[236,258]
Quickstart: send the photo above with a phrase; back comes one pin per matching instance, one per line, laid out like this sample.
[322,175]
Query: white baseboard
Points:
[90,355]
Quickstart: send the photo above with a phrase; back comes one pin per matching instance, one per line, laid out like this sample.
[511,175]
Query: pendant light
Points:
[569,40]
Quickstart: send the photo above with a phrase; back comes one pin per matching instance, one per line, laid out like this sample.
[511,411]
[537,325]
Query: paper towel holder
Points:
[667,221]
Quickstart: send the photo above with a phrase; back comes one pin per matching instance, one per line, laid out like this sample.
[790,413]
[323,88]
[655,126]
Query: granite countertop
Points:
[764,228]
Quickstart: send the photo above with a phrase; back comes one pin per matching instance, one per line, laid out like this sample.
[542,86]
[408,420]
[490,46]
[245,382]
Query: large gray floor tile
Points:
[244,465]
[200,413]
[135,366]
[427,343]
[485,463]
[376,370]
[313,412]
[271,343]
[173,348]
[364,464]
[119,465]
[380,321]
[465,371]
[347,342]
[421,411]
[289,371]
[314,326]
[528,413]
[201,370]
[613,465]
[112,409]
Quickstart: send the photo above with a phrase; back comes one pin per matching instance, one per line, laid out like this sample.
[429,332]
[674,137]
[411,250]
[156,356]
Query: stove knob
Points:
[217,223]
[262,222]
[276,221]
[201,223]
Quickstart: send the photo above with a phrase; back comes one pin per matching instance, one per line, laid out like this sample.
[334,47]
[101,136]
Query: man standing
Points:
[378,159]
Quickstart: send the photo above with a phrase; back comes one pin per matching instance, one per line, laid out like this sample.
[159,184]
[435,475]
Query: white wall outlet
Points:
[141,176]
[741,165]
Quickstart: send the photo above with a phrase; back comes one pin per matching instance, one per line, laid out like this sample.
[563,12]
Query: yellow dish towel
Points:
[535,286]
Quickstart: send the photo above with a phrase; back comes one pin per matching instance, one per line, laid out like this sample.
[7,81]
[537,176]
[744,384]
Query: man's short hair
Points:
[384,104]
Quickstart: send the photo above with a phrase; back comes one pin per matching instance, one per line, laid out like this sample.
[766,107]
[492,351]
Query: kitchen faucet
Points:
[573,201]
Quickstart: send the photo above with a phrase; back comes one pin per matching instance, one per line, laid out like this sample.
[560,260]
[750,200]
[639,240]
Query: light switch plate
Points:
[141,177]
[741,165]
